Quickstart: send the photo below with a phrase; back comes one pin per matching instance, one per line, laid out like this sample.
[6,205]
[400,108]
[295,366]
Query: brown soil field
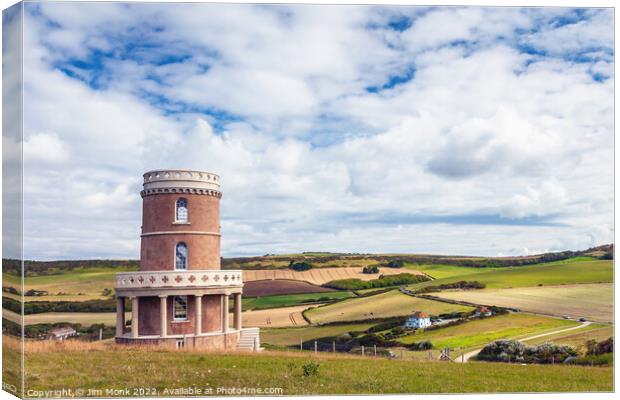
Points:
[592,301]
[280,286]
[276,317]
[320,276]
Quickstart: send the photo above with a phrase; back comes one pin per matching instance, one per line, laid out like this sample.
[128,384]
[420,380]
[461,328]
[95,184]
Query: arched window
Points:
[181,210]
[181,256]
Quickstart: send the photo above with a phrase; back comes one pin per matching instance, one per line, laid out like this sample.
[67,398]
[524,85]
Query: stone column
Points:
[134,317]
[163,316]
[238,311]
[224,313]
[198,314]
[120,316]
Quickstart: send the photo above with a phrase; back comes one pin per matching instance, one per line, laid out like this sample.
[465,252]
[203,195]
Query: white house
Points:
[419,319]
[61,333]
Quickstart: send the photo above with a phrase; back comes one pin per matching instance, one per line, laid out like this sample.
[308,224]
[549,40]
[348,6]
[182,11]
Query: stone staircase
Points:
[249,339]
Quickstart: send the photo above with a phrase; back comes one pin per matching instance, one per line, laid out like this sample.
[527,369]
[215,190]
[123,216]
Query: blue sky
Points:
[337,128]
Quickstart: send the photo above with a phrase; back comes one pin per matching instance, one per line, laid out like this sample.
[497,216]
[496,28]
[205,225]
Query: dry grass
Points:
[319,276]
[593,301]
[276,317]
[390,304]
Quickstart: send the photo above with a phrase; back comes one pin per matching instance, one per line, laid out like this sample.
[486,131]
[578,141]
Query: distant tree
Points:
[370,269]
[299,266]
[396,264]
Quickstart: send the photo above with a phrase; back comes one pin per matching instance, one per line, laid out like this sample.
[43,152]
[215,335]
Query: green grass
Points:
[161,369]
[439,271]
[90,281]
[478,333]
[557,273]
[384,305]
[292,336]
[285,300]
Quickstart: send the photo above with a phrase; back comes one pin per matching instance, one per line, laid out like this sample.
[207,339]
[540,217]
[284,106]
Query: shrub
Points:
[455,285]
[396,264]
[299,266]
[370,269]
[383,281]
[512,350]
[424,345]
[594,348]
[311,368]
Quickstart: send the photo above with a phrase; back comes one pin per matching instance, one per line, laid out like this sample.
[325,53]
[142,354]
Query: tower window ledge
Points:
[181,223]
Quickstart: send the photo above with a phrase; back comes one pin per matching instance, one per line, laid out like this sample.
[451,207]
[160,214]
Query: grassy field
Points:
[440,271]
[88,281]
[593,301]
[111,366]
[85,319]
[292,336]
[557,273]
[478,333]
[388,304]
[257,303]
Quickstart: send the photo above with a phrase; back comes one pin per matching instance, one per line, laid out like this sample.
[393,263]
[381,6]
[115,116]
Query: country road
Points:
[471,354]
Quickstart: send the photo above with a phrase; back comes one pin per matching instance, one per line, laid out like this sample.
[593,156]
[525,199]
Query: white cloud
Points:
[274,99]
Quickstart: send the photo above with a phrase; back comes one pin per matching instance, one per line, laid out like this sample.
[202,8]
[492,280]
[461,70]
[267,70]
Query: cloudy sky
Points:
[482,131]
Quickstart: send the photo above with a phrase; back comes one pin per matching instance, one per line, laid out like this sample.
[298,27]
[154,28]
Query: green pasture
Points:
[286,300]
[292,336]
[164,369]
[557,273]
[478,333]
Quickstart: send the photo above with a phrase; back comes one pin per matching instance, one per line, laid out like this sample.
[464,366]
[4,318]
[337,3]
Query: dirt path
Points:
[473,353]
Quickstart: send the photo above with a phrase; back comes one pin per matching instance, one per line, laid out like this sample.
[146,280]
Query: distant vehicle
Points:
[566,317]
[582,319]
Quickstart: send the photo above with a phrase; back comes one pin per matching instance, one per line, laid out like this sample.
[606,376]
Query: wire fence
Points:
[317,346]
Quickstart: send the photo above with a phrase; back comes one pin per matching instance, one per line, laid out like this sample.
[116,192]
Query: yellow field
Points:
[85,319]
[275,317]
[577,338]
[320,276]
[593,301]
[390,304]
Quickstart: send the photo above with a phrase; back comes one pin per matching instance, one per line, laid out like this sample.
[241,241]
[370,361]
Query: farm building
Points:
[483,311]
[180,296]
[61,333]
[419,319]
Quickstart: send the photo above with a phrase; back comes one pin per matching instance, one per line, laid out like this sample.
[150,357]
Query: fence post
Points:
[301,344]
[462,357]
[334,346]
[315,348]
[552,360]
[100,333]
[362,350]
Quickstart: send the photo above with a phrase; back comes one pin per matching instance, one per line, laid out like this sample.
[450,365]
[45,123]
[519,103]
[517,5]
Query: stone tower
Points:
[180,297]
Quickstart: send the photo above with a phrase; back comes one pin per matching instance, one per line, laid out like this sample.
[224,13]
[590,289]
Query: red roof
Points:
[483,309]
[420,314]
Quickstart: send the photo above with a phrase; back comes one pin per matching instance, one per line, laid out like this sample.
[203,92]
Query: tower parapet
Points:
[181,181]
